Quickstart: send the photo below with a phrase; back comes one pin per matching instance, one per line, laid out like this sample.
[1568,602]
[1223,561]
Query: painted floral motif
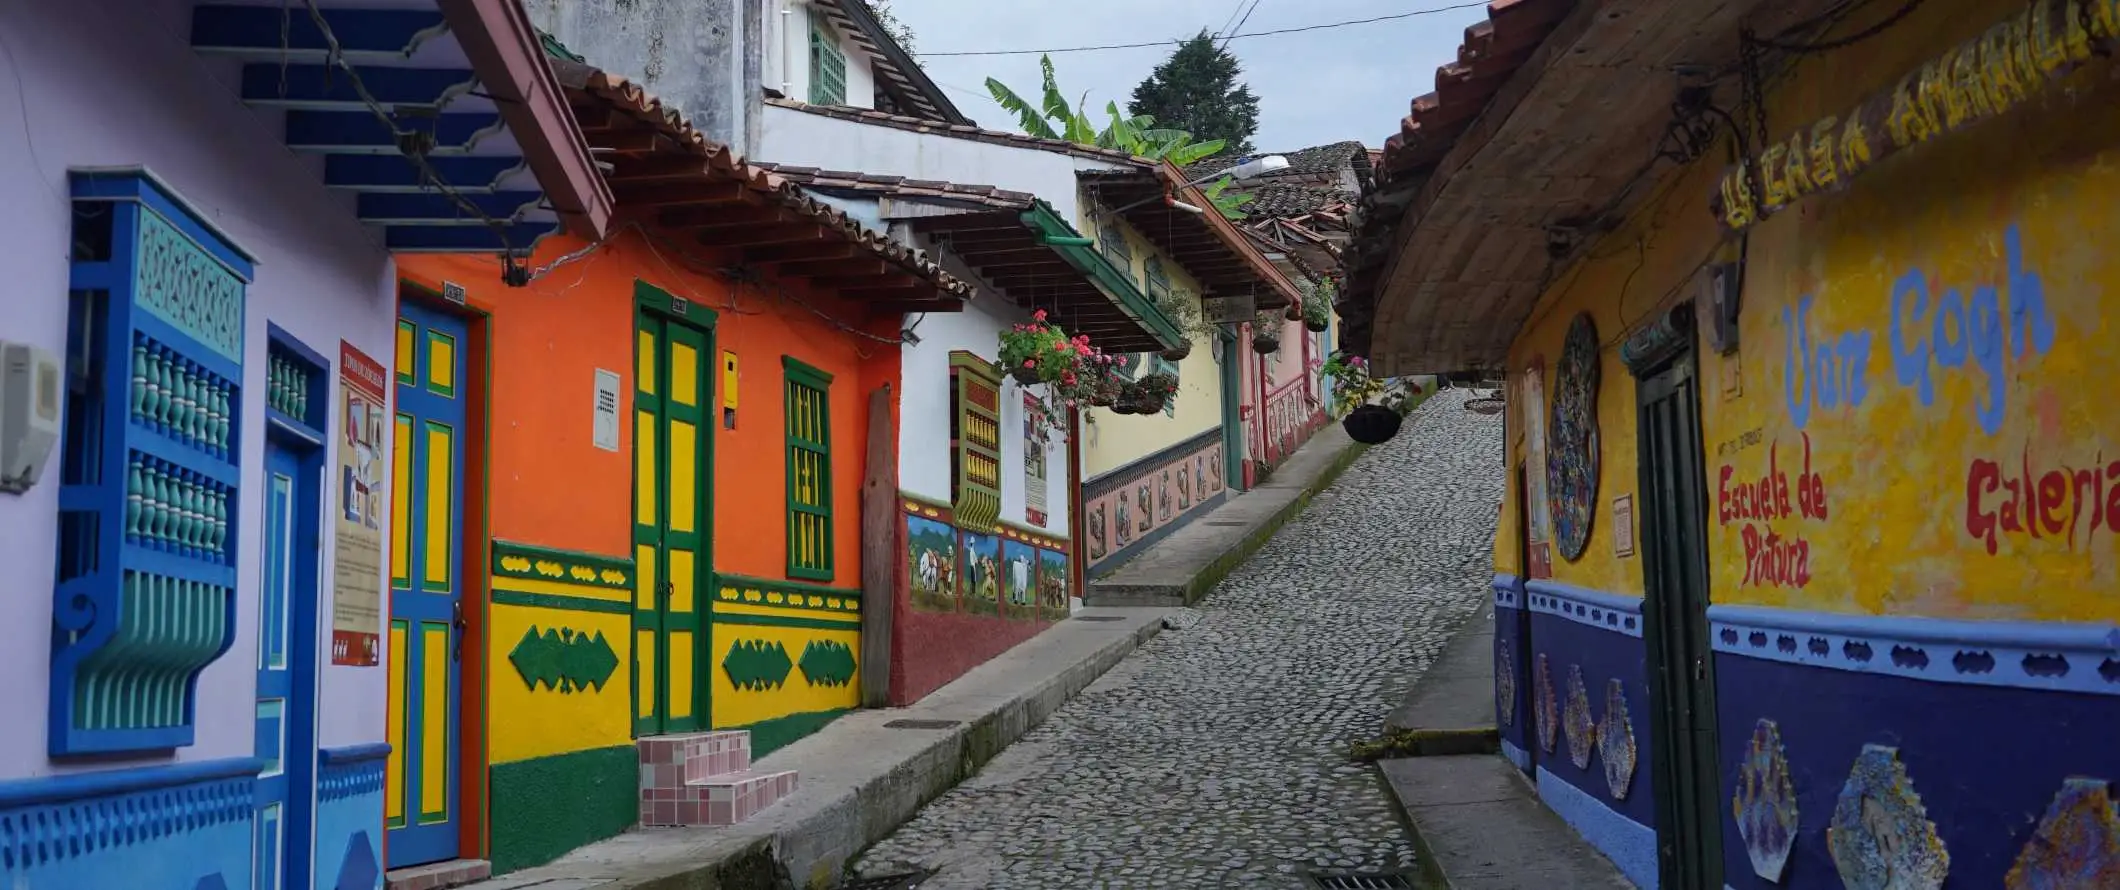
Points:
[2076,845]
[1881,837]
[1615,741]
[1582,727]
[1572,455]
[1765,805]
[1505,682]
[1549,712]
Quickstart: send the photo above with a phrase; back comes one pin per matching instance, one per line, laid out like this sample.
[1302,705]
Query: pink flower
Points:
[1038,315]
[1068,378]
[1082,348]
[1030,363]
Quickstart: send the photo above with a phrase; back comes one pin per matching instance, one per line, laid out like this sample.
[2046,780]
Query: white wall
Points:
[113,83]
[800,138]
[924,407]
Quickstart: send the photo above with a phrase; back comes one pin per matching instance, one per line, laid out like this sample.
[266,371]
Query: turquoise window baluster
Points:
[134,491]
[139,379]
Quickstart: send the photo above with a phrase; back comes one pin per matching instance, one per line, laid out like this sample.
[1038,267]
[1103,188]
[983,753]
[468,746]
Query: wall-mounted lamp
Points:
[1188,208]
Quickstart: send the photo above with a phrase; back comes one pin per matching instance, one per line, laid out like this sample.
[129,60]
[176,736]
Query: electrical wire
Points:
[1239,26]
[1277,31]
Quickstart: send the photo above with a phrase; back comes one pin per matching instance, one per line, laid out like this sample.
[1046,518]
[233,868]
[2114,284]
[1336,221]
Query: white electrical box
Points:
[31,388]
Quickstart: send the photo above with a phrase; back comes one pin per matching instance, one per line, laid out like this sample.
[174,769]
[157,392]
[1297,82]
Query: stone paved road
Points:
[1215,757]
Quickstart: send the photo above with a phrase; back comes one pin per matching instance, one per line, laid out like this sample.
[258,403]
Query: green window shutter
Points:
[1158,282]
[1114,246]
[975,442]
[809,435]
[828,69]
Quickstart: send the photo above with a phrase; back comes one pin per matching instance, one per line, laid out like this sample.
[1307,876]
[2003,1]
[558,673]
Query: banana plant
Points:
[1053,117]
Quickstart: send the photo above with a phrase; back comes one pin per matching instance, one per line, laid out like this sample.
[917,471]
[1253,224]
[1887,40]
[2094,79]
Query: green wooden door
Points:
[673,445]
[1675,618]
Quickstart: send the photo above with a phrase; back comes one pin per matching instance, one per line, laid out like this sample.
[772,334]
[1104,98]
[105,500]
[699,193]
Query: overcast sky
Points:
[1314,88]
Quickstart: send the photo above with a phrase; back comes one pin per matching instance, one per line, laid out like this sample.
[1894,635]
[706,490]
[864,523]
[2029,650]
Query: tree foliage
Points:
[1054,117]
[900,32]
[1197,89]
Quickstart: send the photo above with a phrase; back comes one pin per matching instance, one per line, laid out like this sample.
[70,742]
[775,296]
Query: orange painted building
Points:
[665,439]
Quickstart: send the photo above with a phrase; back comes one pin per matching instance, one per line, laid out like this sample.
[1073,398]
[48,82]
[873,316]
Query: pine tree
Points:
[1196,90]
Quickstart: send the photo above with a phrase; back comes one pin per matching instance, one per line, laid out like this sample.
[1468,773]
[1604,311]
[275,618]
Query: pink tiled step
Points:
[705,779]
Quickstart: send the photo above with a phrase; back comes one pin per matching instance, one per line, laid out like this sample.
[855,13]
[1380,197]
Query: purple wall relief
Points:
[1765,806]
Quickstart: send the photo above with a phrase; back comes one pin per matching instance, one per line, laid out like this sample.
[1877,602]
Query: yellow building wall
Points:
[1113,440]
[555,616]
[1969,474]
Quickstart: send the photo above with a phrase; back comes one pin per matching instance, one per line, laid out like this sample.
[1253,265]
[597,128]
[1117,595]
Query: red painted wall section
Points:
[928,649]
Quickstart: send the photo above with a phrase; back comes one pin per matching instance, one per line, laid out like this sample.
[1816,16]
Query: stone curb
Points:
[1433,722]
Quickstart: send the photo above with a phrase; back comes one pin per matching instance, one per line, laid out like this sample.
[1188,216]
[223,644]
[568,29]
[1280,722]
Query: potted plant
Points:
[1266,333]
[1096,383]
[1040,352]
[1352,388]
[1317,307]
[1150,394]
[1182,307]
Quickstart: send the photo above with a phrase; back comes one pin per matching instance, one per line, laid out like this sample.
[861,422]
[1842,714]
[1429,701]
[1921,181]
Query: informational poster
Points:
[1533,406]
[1037,441]
[1623,525]
[364,496]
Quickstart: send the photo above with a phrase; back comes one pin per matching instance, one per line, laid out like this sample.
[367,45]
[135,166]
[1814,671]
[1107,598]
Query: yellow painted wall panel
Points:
[797,694]
[401,502]
[644,481]
[528,723]
[394,768]
[435,706]
[441,496]
[1917,421]
[684,477]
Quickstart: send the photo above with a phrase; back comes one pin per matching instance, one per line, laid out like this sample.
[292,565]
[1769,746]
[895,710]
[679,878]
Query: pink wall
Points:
[114,83]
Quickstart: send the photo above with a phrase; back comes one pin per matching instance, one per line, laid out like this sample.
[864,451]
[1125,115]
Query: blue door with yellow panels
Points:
[426,587]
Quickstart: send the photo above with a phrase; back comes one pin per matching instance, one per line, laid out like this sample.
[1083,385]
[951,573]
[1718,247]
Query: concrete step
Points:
[726,799]
[1483,828]
[717,754]
[439,875]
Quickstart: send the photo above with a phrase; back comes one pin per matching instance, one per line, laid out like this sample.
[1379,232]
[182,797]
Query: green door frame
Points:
[661,312]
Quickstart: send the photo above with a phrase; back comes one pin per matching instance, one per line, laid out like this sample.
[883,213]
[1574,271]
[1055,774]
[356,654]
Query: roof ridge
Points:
[856,114]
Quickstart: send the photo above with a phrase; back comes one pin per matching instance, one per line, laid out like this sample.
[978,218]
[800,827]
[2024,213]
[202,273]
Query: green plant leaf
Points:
[1027,116]
[1186,154]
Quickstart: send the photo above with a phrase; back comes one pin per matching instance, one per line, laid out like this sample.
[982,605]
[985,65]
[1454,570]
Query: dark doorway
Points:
[1675,610]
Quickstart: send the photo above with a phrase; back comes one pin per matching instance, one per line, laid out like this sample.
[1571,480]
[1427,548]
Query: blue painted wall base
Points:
[183,827]
[349,854]
[1629,844]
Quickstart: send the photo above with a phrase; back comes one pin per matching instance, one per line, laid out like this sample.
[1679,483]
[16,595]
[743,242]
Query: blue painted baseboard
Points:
[1629,844]
[1516,755]
[185,826]
[349,818]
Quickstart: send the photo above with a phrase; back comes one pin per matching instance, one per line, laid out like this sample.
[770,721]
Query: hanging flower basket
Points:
[1294,312]
[1178,354]
[1266,332]
[1266,344]
[1317,306]
[1096,383]
[1040,352]
[1371,424]
[1150,394]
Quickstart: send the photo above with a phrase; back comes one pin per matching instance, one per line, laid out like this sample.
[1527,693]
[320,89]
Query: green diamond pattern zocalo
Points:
[827,663]
[563,659]
[757,665]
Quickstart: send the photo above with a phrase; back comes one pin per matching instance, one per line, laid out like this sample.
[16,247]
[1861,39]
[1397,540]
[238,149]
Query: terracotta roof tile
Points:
[720,163]
[1493,49]
[998,137]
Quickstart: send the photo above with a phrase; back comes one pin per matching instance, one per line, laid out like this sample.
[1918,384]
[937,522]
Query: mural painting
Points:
[979,573]
[931,564]
[1123,508]
[1572,463]
[1019,579]
[1053,594]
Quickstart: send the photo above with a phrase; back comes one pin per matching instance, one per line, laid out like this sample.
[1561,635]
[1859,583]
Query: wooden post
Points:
[880,550]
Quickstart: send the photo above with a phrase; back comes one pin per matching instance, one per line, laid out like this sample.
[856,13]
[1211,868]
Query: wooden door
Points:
[673,496]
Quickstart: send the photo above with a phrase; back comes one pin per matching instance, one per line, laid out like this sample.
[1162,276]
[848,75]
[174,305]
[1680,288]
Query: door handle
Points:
[456,622]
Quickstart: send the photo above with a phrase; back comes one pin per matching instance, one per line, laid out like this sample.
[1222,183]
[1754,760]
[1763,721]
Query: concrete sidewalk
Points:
[1476,818]
[862,775]
[1183,567]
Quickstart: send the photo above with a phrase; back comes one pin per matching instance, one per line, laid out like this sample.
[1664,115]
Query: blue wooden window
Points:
[149,486]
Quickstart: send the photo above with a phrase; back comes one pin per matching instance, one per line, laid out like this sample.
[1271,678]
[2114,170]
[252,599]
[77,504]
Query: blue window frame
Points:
[145,596]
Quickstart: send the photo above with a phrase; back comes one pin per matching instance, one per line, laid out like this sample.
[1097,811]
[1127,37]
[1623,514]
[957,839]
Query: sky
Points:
[1314,88]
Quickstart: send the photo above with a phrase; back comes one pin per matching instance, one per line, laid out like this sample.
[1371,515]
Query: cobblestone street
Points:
[1216,756]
